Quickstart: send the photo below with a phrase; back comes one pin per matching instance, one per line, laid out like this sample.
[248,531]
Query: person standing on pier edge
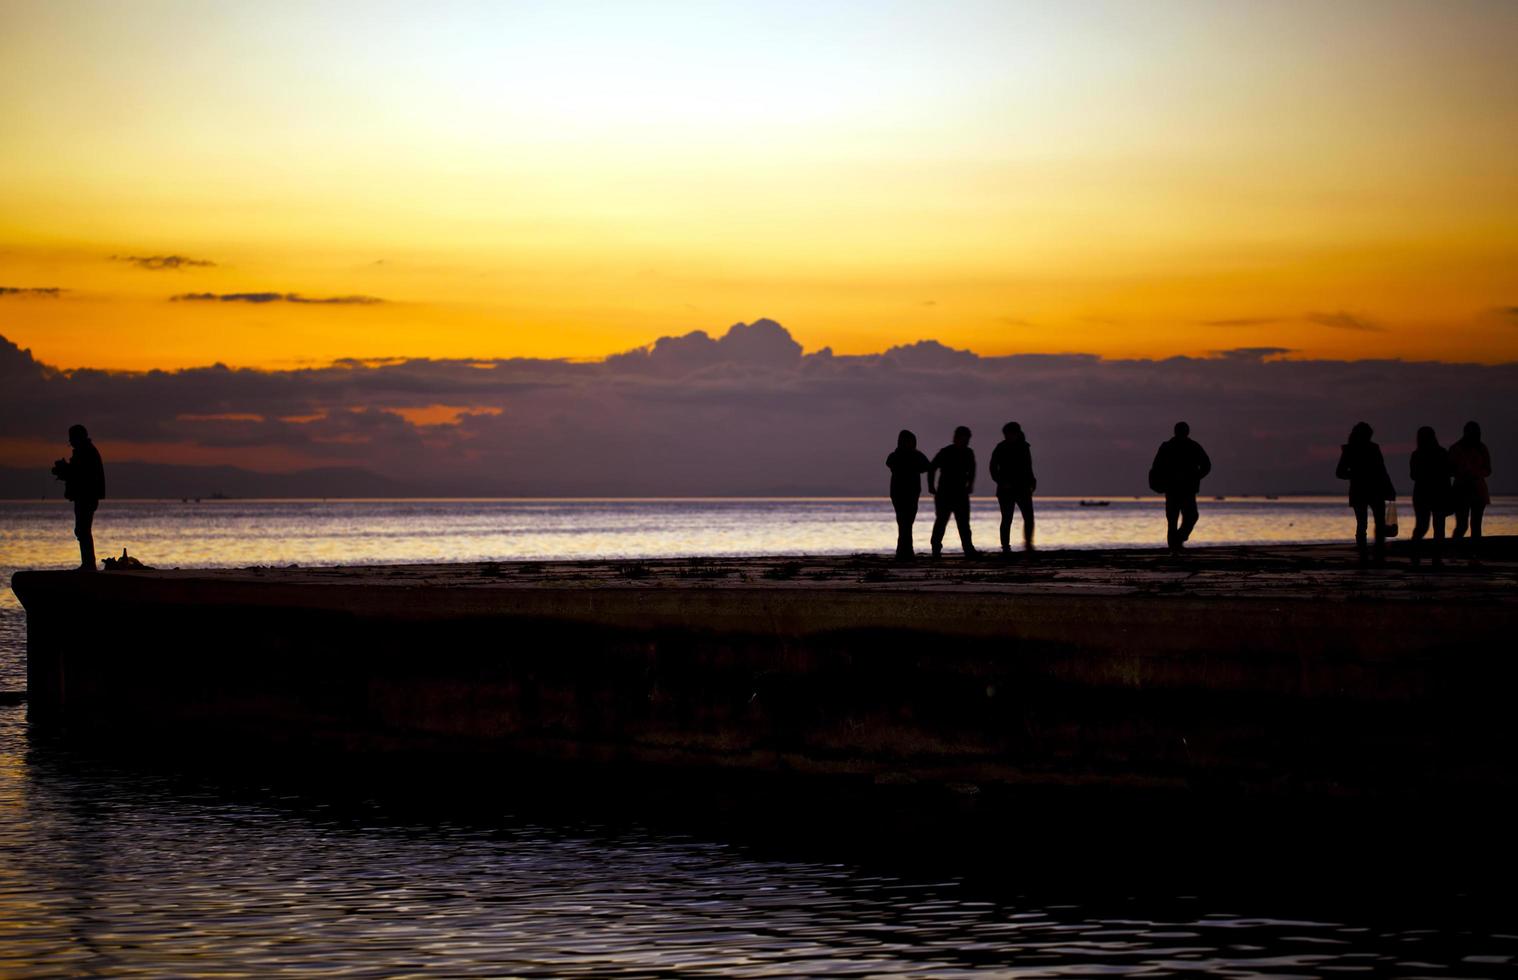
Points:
[954,470]
[1429,469]
[1370,486]
[1470,463]
[907,464]
[83,476]
[1012,472]
[1178,470]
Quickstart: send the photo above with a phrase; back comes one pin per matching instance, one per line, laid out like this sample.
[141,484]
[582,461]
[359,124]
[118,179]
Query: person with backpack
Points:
[1179,467]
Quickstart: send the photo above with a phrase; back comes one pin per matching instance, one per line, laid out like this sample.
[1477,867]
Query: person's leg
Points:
[84,530]
[906,514]
[1438,521]
[1189,517]
[1172,515]
[1025,504]
[1006,502]
[1462,515]
[1362,515]
[1378,512]
[1422,514]
[1478,510]
[941,511]
[962,521]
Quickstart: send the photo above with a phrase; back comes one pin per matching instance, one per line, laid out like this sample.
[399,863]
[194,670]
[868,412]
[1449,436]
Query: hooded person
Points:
[1429,469]
[907,464]
[1470,464]
[1012,472]
[1370,486]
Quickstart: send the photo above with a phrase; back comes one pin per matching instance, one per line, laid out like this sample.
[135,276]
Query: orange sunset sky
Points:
[576,179]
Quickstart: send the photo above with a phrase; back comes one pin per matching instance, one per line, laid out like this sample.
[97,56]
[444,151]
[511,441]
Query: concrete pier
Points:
[1283,672]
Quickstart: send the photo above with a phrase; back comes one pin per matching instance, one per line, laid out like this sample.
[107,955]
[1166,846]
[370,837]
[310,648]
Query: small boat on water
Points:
[1096,503]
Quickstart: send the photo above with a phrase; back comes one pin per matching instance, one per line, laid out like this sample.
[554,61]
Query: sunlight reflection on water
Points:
[108,872]
[232,533]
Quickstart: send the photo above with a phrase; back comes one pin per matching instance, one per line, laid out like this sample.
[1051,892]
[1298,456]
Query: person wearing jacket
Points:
[1370,486]
[1012,472]
[951,481]
[1429,469]
[1470,464]
[83,476]
[1179,467]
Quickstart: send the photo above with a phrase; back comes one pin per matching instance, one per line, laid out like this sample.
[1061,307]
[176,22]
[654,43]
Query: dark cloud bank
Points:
[748,413]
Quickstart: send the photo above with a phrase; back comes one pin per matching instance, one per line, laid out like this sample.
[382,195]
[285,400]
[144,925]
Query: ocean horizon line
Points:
[1302,495]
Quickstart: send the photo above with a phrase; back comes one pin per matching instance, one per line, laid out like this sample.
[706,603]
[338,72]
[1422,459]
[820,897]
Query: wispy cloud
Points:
[1254,353]
[51,292]
[1242,321]
[160,263]
[275,298]
[1343,321]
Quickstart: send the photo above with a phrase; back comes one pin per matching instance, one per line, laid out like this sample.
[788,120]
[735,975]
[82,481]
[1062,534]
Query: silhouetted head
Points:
[1361,432]
[1472,432]
[1012,431]
[906,439]
[962,436]
[1427,439]
[1182,429]
[78,435]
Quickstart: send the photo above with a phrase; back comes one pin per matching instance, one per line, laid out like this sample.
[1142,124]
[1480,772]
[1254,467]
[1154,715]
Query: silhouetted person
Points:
[951,480]
[907,465]
[1370,486]
[1429,469]
[83,477]
[1178,470]
[1012,472]
[1470,464]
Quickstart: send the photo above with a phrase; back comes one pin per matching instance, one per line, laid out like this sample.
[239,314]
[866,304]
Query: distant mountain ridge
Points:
[127,480]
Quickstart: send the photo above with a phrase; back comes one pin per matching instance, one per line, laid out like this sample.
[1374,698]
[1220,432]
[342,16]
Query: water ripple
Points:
[116,873]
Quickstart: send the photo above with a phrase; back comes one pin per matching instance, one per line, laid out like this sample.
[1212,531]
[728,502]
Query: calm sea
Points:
[110,870]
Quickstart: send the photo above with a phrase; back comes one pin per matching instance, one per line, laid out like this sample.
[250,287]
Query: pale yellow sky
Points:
[566,179]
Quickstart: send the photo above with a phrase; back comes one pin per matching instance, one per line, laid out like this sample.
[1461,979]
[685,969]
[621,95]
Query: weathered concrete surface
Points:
[1276,671]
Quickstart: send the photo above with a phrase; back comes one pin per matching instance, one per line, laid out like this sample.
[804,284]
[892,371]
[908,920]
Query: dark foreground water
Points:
[114,870]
